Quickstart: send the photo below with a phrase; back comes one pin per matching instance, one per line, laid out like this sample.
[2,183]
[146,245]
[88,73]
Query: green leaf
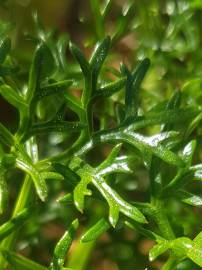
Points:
[80,58]
[14,223]
[63,246]
[3,189]
[109,89]
[188,152]
[189,198]
[52,89]
[106,8]
[114,200]
[19,262]
[123,23]
[56,126]
[52,175]
[195,254]
[41,68]
[198,239]
[146,145]
[5,48]
[95,231]
[12,97]
[133,86]
[98,18]
[165,117]
[173,103]
[147,233]
[98,57]
[5,136]
[113,163]
[66,199]
[24,163]
[74,104]
[158,250]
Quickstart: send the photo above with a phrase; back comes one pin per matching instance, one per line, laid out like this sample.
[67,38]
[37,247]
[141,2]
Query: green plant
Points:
[89,144]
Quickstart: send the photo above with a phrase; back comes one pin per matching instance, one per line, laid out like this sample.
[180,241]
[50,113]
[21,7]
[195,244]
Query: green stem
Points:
[162,220]
[21,202]
[80,257]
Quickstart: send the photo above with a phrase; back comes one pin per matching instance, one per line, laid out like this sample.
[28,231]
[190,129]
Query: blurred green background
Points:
[169,33]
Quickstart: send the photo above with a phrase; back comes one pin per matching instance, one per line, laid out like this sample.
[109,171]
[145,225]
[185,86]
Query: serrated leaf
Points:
[95,231]
[41,68]
[14,223]
[5,48]
[63,246]
[19,262]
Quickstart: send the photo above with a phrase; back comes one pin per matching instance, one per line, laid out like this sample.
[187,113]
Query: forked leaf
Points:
[24,163]
[95,231]
[114,200]
[19,262]
[5,48]
[113,163]
[63,246]
[144,144]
